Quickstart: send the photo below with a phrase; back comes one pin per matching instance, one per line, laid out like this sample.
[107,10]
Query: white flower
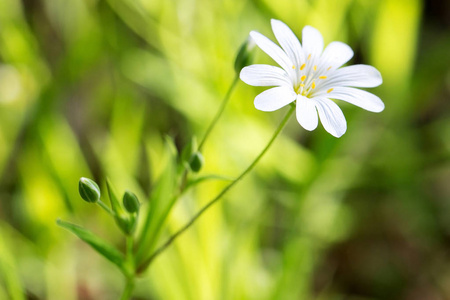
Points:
[311,78]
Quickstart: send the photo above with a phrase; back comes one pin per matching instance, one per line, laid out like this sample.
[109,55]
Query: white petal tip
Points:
[273,99]
[254,33]
[265,107]
[379,109]
[243,74]
[308,128]
[261,108]
[378,80]
[311,29]
[310,124]
[338,134]
[275,21]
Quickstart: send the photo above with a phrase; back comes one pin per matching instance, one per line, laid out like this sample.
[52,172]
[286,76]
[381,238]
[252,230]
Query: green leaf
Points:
[201,179]
[8,270]
[161,201]
[115,204]
[121,218]
[103,248]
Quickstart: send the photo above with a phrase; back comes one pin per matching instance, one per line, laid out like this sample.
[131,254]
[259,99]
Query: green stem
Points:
[129,246]
[158,251]
[130,277]
[219,112]
[105,207]
[128,291]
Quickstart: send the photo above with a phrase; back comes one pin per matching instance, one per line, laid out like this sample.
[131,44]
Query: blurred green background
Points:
[90,88]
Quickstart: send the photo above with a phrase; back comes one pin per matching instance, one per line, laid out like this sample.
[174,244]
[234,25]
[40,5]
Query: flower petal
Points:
[306,113]
[331,116]
[288,41]
[356,76]
[358,97]
[312,41]
[273,50]
[336,54]
[274,98]
[265,75]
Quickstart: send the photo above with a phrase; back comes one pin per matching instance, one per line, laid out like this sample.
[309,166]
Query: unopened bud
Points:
[196,161]
[89,190]
[130,202]
[245,55]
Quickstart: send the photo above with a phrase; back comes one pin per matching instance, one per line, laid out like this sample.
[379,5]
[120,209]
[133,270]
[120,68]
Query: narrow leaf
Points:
[201,179]
[115,204]
[103,248]
[9,272]
[121,218]
[161,201]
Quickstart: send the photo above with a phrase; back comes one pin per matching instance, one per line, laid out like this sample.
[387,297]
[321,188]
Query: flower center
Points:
[307,78]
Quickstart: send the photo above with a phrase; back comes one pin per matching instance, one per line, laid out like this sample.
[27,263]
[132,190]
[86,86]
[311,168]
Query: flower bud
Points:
[89,190]
[130,202]
[245,55]
[196,161]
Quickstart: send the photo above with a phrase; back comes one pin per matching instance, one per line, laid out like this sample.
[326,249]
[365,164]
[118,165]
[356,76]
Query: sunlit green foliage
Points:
[92,88]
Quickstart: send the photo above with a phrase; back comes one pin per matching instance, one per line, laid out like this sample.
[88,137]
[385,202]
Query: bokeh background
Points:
[91,88]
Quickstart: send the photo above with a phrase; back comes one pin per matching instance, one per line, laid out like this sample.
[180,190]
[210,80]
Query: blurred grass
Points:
[90,88]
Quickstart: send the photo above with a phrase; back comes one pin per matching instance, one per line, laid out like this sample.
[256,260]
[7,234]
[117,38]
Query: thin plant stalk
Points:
[129,287]
[105,207]
[131,276]
[161,249]
[219,113]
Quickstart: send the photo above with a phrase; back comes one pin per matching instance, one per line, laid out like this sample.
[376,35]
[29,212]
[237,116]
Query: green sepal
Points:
[121,218]
[245,55]
[115,204]
[103,248]
[188,150]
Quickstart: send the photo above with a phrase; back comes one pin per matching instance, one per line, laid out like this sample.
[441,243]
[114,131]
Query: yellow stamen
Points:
[302,85]
[315,68]
[322,77]
[330,90]
[303,78]
[309,57]
[329,68]
[302,66]
[313,85]
[293,67]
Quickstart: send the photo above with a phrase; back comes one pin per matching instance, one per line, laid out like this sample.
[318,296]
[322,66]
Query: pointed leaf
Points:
[161,201]
[102,247]
[9,272]
[115,204]
[200,179]
[121,218]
